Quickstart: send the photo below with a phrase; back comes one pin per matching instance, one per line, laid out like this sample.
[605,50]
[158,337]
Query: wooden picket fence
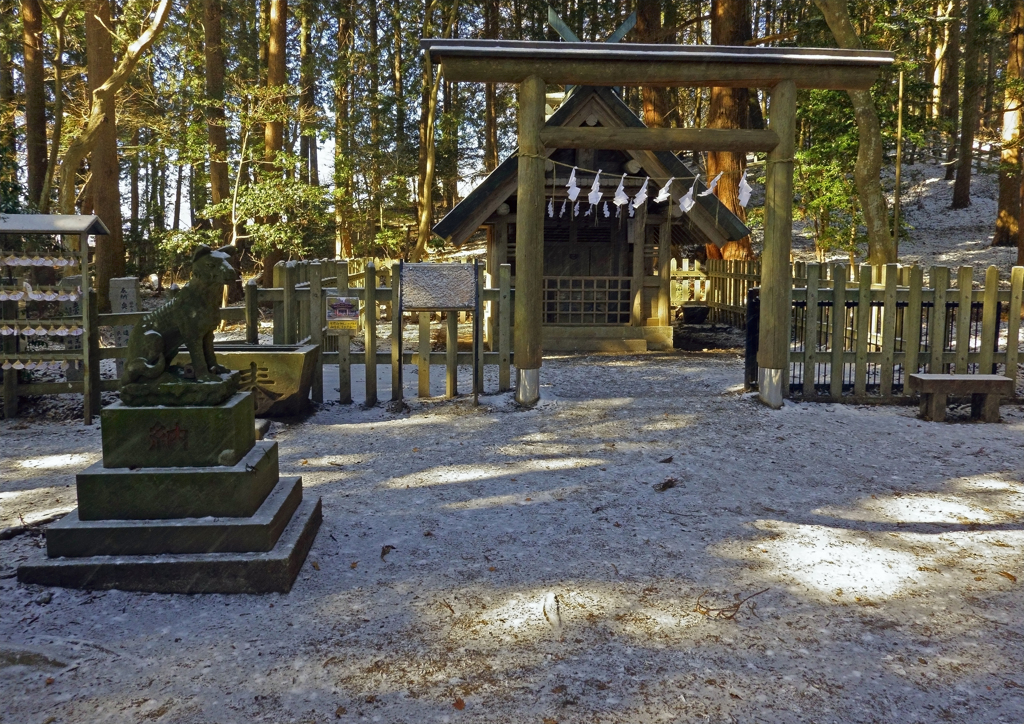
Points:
[729,282]
[298,298]
[895,321]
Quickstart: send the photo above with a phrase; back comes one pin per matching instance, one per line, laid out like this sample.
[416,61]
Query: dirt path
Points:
[538,576]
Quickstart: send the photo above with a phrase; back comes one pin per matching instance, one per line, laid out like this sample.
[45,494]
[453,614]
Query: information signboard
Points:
[342,312]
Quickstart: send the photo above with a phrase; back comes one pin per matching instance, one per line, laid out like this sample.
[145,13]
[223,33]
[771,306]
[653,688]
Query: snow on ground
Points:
[538,576]
[938,234]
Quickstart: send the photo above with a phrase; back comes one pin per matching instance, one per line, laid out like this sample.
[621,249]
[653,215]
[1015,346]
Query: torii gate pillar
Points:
[529,241]
[776,285]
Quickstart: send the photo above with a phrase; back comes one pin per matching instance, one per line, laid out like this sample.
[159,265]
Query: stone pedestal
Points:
[185,501]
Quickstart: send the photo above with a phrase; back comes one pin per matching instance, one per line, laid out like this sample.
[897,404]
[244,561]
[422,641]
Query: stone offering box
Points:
[279,376]
[185,501]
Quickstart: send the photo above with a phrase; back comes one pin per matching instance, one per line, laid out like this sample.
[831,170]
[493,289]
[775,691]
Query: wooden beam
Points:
[509,61]
[776,284]
[685,74]
[659,139]
[530,227]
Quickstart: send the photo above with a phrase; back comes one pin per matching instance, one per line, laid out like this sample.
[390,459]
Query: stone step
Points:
[74,538]
[265,572]
[177,492]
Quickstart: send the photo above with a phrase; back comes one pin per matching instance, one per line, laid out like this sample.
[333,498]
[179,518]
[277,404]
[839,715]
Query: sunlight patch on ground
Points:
[981,500]
[52,462]
[449,474]
[30,503]
[833,560]
[914,509]
[496,501]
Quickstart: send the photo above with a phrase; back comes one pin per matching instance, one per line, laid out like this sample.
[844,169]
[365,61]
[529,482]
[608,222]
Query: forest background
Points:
[312,128]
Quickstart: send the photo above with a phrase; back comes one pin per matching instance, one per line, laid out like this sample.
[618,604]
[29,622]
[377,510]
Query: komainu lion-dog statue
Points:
[190,319]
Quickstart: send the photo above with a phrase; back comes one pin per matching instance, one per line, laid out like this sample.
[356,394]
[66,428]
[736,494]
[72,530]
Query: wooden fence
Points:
[298,321]
[729,282]
[689,283]
[298,296]
[894,322]
[986,157]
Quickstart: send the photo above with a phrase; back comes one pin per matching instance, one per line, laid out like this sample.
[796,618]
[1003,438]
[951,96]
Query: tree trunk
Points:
[9,189]
[950,106]
[374,175]
[216,121]
[342,175]
[35,100]
[396,80]
[490,94]
[1008,225]
[428,114]
[942,29]
[106,192]
[176,219]
[133,188]
[273,133]
[307,98]
[969,112]
[59,21]
[730,108]
[273,137]
[648,30]
[881,246]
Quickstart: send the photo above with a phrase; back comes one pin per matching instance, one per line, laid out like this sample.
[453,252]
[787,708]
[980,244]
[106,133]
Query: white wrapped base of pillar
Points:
[769,387]
[527,386]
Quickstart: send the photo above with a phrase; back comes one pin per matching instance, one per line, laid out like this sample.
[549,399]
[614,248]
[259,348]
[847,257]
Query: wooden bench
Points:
[986,391]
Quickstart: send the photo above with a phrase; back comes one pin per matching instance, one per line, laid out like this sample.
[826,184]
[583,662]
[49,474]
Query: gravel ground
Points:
[820,563]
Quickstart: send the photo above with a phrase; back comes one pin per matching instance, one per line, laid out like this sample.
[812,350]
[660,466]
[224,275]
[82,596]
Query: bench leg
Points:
[985,407]
[933,406]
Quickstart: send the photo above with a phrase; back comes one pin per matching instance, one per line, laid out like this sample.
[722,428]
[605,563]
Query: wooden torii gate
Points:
[533,64]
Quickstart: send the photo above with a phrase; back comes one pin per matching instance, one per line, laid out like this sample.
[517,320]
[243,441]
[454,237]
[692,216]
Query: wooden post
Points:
[939,277]
[291,303]
[888,329]
[776,285]
[863,332]
[490,319]
[10,347]
[636,234]
[478,337]
[317,313]
[899,167]
[370,332]
[344,341]
[252,312]
[1013,321]
[838,331]
[665,270]
[504,327]
[989,320]
[811,329]
[912,326]
[965,286]
[451,380]
[423,384]
[396,336]
[91,348]
[279,282]
[302,303]
[529,242]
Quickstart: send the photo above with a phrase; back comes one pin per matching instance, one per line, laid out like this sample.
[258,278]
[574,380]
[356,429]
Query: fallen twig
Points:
[727,612]
[16,530]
